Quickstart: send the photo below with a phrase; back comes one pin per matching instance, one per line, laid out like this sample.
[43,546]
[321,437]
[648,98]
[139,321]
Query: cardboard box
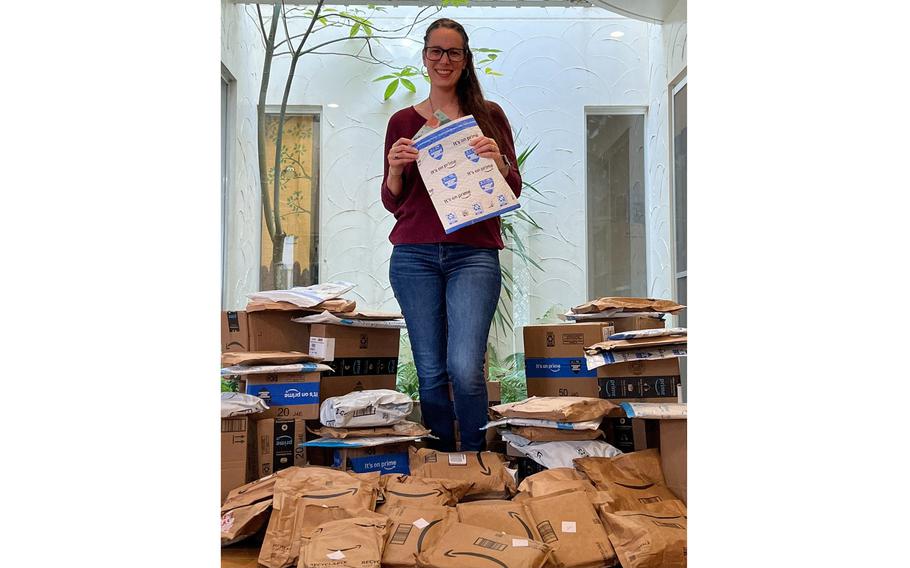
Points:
[276,445]
[555,359]
[390,458]
[333,342]
[235,333]
[639,387]
[233,454]
[265,330]
[669,436]
[339,386]
[289,395]
[644,368]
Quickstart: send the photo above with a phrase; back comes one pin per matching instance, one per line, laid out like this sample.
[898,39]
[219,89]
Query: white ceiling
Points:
[653,11]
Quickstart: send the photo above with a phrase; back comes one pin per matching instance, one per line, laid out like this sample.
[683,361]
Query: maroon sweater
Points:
[416,221]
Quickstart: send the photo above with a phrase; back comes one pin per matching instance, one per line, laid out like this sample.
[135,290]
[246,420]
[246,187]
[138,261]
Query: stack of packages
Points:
[552,431]
[368,431]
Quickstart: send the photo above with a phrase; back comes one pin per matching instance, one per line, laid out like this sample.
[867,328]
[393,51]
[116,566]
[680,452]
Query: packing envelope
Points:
[463,187]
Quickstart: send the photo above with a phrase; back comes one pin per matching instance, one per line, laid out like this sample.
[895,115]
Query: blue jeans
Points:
[448,294]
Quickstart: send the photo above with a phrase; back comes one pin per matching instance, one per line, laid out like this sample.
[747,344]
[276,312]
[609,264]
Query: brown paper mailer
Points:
[410,490]
[345,543]
[484,469]
[467,546]
[537,434]
[553,474]
[521,496]
[412,529]
[634,481]
[622,344]
[326,480]
[558,408]
[229,358]
[405,428]
[569,524]
[338,305]
[506,516]
[549,487]
[281,546]
[252,492]
[242,522]
[628,305]
[648,539]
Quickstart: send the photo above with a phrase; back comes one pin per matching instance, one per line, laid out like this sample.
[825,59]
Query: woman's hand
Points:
[487,148]
[401,153]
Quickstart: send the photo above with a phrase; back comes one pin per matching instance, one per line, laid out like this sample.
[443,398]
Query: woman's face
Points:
[445,72]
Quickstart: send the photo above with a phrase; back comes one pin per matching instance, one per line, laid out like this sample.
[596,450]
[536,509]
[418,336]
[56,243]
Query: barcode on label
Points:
[431,458]
[568,526]
[368,411]
[491,544]
[233,425]
[400,536]
[458,459]
[546,532]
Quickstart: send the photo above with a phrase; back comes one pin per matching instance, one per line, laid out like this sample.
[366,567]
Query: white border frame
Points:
[228,185]
[676,85]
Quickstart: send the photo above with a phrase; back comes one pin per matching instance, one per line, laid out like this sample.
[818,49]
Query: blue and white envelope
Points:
[465,188]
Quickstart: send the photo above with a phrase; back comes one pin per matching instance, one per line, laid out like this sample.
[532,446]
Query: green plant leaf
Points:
[384,78]
[390,90]
[354,29]
[489,71]
[487,50]
[408,85]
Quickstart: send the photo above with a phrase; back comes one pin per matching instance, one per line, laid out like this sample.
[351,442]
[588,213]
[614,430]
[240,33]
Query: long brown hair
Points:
[470,95]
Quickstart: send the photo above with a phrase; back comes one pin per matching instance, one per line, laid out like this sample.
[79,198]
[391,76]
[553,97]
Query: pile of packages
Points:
[325,303]
[460,510]
[553,431]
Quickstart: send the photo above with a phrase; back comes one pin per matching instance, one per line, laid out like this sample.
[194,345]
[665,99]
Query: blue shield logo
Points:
[450,181]
[487,185]
[469,154]
[502,200]
[478,210]
[451,218]
[436,151]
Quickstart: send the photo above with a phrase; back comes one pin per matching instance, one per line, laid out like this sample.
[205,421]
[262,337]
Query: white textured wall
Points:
[667,45]
[242,54]
[555,62]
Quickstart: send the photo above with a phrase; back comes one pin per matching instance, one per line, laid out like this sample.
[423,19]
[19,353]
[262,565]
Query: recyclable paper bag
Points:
[311,486]
[557,408]
[404,428]
[421,491]
[634,481]
[506,516]
[536,434]
[253,491]
[648,539]
[365,409]
[549,487]
[467,546]
[242,522]
[230,358]
[463,187]
[622,304]
[484,469]
[412,530]
[554,474]
[569,524]
[345,543]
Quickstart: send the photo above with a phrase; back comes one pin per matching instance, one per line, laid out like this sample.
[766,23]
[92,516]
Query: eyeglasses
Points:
[455,54]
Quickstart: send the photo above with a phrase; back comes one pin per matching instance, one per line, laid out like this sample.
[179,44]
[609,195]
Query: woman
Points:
[447,285]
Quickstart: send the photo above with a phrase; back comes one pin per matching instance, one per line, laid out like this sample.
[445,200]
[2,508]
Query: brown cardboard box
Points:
[233,454]
[339,386]
[563,387]
[669,436]
[644,368]
[289,395]
[235,333]
[555,358]
[276,445]
[338,341]
[273,330]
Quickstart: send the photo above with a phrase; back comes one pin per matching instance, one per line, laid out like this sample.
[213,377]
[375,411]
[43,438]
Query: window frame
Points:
[228,133]
[318,112]
[610,110]
[680,81]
